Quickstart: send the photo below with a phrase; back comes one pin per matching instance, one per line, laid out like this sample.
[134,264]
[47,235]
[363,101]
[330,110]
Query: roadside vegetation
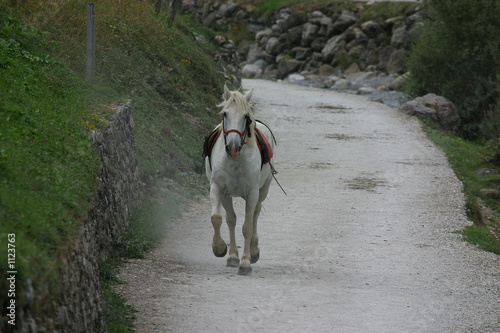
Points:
[48,168]
[458,56]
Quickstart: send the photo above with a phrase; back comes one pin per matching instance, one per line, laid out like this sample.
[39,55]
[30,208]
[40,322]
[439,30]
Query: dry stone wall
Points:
[80,306]
[80,309]
[294,41]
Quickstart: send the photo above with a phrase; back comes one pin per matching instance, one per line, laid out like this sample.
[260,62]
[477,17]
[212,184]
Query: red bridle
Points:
[242,135]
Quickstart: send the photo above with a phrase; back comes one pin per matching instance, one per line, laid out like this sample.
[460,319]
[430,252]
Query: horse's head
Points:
[238,122]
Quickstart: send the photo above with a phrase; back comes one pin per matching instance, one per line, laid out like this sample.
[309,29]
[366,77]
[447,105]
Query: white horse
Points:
[234,169]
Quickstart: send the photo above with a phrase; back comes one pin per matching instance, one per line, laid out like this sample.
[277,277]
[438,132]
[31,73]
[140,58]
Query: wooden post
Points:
[91,29]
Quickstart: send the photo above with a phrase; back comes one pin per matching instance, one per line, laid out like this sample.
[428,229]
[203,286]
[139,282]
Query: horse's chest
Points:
[235,181]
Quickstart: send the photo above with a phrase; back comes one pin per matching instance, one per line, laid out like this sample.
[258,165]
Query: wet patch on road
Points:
[365,183]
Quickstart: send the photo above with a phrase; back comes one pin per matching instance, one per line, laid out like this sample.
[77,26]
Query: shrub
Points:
[457,55]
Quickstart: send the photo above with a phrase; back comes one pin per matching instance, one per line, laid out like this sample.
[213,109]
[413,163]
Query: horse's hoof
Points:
[255,258]
[233,262]
[247,271]
[219,254]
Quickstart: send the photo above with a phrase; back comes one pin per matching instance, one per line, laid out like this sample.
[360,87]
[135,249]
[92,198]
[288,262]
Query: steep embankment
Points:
[49,170]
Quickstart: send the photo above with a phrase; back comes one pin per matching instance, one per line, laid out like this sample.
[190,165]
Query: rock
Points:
[390,22]
[271,72]
[353,68]
[317,14]
[486,171]
[292,20]
[251,70]
[276,29]
[399,36]
[286,67]
[261,63]
[263,33]
[295,78]
[273,46]
[301,53]
[340,25]
[294,35]
[356,35]
[434,107]
[414,108]
[396,62]
[359,79]
[255,52]
[318,44]
[384,55]
[365,91]
[332,45]
[199,38]
[227,10]
[219,39]
[371,29]
[398,82]
[327,70]
[341,84]
[309,33]
[329,81]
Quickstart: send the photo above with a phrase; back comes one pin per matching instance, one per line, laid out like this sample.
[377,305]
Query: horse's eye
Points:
[224,114]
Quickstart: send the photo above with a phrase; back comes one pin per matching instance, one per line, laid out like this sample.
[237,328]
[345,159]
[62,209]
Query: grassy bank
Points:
[47,164]
[482,189]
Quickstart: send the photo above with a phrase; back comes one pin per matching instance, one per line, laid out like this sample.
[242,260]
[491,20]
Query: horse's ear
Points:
[227,92]
[248,95]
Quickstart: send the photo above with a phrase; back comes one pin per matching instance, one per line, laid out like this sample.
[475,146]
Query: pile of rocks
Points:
[325,46]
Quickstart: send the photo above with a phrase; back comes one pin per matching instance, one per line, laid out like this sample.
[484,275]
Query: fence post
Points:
[91,29]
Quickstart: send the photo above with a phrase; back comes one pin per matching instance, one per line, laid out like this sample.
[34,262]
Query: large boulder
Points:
[434,107]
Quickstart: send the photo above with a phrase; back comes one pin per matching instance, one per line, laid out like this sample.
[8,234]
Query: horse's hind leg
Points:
[219,247]
[233,260]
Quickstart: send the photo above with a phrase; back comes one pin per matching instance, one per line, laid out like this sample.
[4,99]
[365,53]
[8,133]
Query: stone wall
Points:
[326,44]
[80,305]
[80,308]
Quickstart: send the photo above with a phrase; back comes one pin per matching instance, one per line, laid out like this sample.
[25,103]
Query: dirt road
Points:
[364,241]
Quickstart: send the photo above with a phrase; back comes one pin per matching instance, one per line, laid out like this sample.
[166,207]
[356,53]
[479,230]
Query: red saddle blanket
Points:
[266,151]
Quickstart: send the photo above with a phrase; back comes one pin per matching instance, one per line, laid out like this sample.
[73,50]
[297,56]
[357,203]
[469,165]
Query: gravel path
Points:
[364,242]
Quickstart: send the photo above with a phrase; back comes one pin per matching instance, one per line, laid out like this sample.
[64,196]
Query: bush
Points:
[457,55]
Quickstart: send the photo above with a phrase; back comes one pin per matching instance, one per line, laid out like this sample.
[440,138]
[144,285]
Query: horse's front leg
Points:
[248,232]
[233,259]
[219,247]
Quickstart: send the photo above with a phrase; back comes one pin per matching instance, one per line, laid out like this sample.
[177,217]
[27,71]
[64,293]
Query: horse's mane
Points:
[242,106]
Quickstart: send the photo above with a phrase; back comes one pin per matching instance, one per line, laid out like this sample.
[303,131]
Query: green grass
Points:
[466,158]
[379,11]
[481,236]
[47,165]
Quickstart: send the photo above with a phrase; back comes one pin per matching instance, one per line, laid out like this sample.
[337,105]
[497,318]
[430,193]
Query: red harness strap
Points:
[266,152]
